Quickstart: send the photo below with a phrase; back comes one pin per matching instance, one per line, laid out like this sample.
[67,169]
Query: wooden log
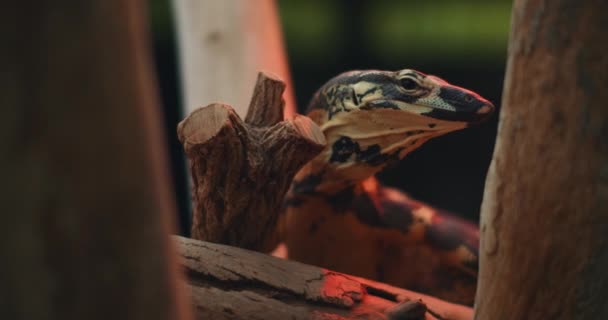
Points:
[223,44]
[544,221]
[86,200]
[232,283]
[242,170]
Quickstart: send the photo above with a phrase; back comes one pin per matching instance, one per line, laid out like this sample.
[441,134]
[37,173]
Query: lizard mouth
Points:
[453,103]
[470,115]
[469,112]
[482,114]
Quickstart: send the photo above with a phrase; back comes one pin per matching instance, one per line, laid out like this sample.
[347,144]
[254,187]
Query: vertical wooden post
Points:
[86,201]
[544,226]
[223,45]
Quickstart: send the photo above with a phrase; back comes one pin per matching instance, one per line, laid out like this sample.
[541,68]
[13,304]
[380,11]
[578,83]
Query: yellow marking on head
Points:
[370,90]
[413,108]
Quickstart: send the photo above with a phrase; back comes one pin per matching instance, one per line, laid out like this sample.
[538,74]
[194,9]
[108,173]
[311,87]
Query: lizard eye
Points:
[408,84]
[468,98]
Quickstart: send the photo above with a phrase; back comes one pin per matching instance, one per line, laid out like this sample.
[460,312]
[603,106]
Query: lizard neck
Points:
[357,152]
[321,177]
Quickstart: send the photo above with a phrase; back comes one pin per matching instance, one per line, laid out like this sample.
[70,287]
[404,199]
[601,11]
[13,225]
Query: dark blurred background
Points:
[462,41]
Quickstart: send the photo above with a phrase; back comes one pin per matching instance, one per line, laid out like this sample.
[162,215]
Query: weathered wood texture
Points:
[241,170]
[223,44]
[544,249]
[86,199]
[232,283]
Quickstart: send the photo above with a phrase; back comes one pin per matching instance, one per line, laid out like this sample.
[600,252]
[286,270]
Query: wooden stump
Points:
[241,170]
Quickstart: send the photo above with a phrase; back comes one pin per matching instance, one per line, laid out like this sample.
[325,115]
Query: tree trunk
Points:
[232,283]
[86,199]
[544,250]
[223,44]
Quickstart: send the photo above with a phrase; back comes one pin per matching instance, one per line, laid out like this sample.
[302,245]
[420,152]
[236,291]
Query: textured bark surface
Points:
[86,201]
[544,249]
[241,170]
[232,283]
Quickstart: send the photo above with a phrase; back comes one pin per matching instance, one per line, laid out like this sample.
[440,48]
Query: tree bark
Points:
[242,170]
[223,44]
[86,200]
[232,283]
[544,250]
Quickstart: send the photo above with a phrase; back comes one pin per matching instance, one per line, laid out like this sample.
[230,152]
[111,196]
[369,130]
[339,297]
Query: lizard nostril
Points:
[486,108]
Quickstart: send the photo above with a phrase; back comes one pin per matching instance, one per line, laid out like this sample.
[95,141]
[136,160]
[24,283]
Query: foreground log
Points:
[232,283]
[86,200]
[241,170]
[544,250]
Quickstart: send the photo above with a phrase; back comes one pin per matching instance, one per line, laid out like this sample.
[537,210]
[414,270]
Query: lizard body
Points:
[338,216]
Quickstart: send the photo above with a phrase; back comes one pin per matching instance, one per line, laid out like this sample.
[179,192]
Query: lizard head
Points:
[410,91]
[370,117]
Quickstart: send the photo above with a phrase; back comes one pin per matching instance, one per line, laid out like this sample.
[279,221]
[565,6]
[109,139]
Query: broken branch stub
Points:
[241,170]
